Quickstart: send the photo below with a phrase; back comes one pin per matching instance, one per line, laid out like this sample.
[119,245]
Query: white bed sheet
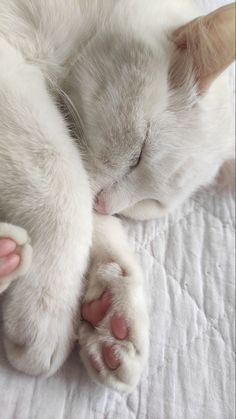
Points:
[188,261]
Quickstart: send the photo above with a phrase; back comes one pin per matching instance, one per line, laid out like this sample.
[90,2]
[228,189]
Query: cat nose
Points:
[100,205]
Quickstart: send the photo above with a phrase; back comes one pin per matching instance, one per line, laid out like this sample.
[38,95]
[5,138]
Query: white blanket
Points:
[188,261]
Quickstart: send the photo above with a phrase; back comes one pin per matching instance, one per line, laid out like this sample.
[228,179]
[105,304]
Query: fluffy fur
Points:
[147,141]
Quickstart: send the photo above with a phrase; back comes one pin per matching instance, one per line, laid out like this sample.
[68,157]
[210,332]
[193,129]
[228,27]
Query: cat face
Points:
[146,141]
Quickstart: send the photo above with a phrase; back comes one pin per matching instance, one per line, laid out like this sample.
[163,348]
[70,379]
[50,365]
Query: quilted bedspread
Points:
[188,263]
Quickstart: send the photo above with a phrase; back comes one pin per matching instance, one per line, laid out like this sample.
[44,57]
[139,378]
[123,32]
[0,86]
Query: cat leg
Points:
[15,254]
[114,330]
[43,189]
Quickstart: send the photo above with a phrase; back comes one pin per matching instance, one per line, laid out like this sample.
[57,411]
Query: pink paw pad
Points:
[9,259]
[119,327]
[94,312]
[110,357]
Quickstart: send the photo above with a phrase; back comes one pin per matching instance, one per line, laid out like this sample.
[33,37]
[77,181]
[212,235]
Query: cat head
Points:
[147,119]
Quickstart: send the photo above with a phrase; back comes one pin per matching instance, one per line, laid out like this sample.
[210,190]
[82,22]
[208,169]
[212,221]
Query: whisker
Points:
[73,114]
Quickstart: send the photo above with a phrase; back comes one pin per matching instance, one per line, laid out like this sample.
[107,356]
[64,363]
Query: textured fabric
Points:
[188,261]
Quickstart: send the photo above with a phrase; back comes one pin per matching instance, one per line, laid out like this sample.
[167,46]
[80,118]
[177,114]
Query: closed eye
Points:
[137,161]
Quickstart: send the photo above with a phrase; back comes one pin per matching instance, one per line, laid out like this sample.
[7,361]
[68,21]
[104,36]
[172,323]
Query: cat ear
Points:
[207,45]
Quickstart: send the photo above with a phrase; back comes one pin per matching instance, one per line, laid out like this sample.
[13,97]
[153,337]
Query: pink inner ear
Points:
[210,43]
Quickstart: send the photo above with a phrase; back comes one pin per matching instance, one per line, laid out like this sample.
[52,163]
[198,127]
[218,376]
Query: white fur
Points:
[115,269]
[121,85]
[110,61]
[44,189]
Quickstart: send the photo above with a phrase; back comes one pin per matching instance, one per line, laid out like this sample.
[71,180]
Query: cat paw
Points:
[114,330]
[15,254]
[38,330]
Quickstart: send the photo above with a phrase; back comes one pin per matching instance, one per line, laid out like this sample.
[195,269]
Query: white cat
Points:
[149,135]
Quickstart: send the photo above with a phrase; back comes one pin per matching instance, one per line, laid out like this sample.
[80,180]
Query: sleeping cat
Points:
[152,121]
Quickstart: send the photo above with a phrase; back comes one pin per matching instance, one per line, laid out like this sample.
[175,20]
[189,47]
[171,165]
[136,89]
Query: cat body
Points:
[143,148]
